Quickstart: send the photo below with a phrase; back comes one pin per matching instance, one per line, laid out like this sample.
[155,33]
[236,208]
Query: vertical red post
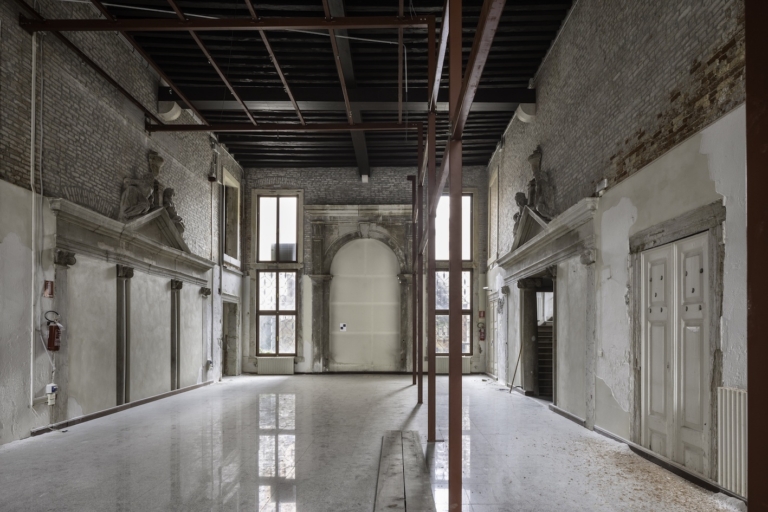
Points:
[430,295]
[414,251]
[418,274]
[454,264]
[757,247]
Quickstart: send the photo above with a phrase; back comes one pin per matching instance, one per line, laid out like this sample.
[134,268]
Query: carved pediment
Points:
[530,225]
[158,227]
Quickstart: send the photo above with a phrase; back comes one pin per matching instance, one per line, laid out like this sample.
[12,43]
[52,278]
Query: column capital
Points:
[124,271]
[64,258]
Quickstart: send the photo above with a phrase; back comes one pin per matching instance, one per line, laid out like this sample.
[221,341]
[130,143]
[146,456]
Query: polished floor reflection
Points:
[311,443]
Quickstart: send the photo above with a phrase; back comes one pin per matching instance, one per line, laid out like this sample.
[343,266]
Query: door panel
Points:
[657,350]
[675,352]
[693,354]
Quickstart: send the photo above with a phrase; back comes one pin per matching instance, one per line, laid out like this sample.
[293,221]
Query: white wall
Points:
[150,335]
[16,319]
[92,336]
[708,167]
[365,294]
[572,337]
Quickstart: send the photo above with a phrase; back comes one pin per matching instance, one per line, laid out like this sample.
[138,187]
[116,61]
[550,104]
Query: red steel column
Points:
[415,296]
[757,247]
[454,266]
[430,295]
[419,272]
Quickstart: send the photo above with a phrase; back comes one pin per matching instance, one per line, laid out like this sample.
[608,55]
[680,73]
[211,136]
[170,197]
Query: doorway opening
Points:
[230,339]
[545,319]
[537,334]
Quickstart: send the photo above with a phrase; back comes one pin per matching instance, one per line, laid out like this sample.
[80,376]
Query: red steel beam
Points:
[455,489]
[430,219]
[274,127]
[757,246]
[339,68]
[275,63]
[436,74]
[490,15]
[213,62]
[200,25]
[34,14]
[150,61]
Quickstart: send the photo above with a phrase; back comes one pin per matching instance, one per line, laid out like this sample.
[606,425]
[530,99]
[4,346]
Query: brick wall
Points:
[92,136]
[626,81]
[342,186]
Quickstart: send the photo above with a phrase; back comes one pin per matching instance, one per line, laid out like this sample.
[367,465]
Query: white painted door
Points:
[675,352]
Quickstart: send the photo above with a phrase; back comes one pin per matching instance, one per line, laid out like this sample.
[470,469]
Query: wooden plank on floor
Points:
[390,489]
[418,488]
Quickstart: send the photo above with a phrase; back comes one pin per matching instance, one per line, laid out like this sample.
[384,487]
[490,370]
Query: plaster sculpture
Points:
[137,198]
[522,202]
[171,209]
[540,192]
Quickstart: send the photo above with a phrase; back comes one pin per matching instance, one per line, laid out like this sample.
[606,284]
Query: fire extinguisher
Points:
[54,331]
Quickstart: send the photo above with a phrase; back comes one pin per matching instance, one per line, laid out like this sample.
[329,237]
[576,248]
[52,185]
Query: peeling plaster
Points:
[724,144]
[613,362]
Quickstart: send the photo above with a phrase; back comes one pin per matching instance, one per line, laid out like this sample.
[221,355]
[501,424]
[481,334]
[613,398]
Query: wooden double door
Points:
[675,368]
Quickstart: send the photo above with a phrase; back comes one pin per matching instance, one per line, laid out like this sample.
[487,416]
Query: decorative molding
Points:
[82,231]
[176,284]
[205,292]
[64,258]
[124,271]
[564,236]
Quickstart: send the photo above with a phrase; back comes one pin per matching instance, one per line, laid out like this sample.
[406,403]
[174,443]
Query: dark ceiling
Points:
[525,33]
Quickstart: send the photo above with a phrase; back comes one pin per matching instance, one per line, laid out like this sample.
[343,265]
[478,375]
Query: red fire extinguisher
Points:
[54,332]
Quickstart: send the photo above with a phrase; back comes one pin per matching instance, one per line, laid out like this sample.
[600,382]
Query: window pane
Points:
[231,221]
[441,334]
[466,227]
[267,334]
[287,291]
[441,228]
[441,290]
[466,333]
[288,228]
[466,290]
[267,291]
[267,228]
[288,334]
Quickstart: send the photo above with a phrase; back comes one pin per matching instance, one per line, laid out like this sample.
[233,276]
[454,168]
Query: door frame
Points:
[707,219]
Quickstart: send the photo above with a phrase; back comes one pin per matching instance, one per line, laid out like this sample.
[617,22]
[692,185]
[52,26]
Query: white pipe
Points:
[33,301]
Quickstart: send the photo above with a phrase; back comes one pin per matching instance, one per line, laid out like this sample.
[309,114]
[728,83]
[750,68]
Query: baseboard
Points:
[112,410]
[672,467]
[518,389]
[566,414]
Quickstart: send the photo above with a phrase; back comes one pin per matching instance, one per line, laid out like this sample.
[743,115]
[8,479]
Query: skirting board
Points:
[112,410]
[566,414]
[670,466]
[518,389]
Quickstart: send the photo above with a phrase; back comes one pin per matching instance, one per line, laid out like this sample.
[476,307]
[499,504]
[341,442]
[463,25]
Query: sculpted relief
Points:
[145,194]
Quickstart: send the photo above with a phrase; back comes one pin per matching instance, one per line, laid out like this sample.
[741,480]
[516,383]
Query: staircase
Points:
[545,359]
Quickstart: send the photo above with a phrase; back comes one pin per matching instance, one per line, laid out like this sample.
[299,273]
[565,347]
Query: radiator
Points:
[275,365]
[732,440]
[441,365]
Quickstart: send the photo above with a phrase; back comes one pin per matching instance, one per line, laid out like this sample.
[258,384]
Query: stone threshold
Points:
[112,410]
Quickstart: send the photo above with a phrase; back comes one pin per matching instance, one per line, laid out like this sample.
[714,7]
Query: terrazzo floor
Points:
[310,443]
